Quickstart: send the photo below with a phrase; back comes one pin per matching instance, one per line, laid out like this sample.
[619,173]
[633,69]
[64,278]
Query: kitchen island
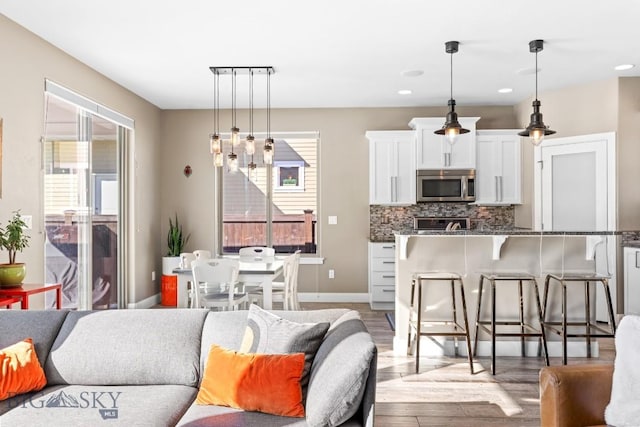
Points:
[472,252]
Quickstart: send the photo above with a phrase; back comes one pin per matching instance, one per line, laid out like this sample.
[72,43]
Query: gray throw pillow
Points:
[267,333]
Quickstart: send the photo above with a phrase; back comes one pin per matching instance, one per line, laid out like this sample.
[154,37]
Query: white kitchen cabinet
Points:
[498,167]
[392,167]
[382,276]
[434,152]
[631,280]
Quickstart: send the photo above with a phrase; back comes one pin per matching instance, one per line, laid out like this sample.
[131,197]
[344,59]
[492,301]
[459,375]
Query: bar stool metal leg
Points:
[607,293]
[478,308]
[466,326]
[411,308]
[543,336]
[493,326]
[418,327]
[564,322]
[522,349]
[587,315]
[455,316]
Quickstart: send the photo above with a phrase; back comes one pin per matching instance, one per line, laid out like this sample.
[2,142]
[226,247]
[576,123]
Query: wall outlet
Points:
[153,276]
[332,274]
[333,220]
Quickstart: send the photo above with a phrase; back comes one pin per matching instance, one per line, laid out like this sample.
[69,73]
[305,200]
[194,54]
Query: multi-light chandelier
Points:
[215,139]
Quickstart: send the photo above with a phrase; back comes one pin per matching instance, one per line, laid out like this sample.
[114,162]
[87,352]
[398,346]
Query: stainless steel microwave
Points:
[446,185]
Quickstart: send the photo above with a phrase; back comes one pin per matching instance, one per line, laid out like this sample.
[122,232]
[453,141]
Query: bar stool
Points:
[492,278]
[455,329]
[585,278]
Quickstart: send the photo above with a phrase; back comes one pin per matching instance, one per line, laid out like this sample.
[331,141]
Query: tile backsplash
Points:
[384,220]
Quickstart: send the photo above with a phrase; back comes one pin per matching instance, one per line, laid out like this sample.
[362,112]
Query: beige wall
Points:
[27,61]
[576,110]
[628,154]
[344,178]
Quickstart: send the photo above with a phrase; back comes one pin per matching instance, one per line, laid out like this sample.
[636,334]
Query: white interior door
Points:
[575,191]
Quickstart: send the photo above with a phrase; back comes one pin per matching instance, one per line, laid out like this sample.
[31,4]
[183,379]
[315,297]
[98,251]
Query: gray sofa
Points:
[143,368]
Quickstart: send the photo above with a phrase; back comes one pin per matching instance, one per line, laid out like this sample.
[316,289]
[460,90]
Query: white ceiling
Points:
[340,53]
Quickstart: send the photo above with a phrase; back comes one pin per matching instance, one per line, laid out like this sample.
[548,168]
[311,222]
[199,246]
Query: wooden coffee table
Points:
[23,292]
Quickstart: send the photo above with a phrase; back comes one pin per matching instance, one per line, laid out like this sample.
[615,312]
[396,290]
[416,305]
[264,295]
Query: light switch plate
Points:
[28,220]
[333,220]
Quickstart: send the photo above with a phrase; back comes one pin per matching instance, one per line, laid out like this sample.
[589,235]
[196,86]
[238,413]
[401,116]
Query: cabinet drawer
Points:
[383,264]
[383,278]
[383,293]
[380,250]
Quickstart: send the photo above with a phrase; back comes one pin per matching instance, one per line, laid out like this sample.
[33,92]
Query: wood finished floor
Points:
[445,393]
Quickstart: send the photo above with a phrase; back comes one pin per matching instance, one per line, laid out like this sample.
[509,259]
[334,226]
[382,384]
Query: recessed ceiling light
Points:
[412,73]
[505,90]
[404,92]
[623,67]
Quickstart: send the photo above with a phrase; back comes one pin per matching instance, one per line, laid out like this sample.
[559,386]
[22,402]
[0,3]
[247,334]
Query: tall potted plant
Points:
[176,241]
[14,240]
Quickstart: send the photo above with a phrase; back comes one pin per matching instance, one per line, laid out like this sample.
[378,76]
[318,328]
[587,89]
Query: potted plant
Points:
[176,240]
[14,240]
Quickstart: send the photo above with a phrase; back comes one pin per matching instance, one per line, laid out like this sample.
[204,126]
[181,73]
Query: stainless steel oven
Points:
[446,185]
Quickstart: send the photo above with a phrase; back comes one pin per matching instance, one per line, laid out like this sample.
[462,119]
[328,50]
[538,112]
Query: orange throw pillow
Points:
[20,370]
[267,383]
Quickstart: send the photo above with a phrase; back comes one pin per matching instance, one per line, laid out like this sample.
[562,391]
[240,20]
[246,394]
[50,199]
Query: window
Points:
[284,218]
[288,176]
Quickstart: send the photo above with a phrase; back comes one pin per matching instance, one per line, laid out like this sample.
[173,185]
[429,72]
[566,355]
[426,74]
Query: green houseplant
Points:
[14,240]
[176,241]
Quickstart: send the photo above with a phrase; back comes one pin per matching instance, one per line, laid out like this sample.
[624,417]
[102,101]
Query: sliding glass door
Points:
[82,164]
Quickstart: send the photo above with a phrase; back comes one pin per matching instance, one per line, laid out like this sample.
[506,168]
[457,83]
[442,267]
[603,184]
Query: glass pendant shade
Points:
[250,145]
[218,160]
[232,162]
[214,142]
[235,139]
[268,151]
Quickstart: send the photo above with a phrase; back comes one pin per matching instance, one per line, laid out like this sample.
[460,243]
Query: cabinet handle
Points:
[501,189]
[388,290]
[389,247]
[388,276]
[388,262]
[637,259]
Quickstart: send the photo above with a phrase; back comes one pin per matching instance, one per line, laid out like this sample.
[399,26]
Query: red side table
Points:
[8,302]
[23,292]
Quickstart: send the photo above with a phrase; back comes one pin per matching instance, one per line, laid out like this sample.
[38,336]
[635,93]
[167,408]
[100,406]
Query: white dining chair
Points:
[286,291]
[202,254]
[215,284]
[186,258]
[257,252]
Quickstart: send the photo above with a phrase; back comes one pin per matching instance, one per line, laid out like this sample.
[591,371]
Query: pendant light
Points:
[452,127]
[269,145]
[536,129]
[232,160]
[215,142]
[250,141]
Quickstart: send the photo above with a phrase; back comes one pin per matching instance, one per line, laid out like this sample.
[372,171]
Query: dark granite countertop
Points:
[513,231]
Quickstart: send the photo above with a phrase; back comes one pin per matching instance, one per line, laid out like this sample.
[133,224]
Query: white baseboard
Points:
[444,346]
[333,297]
[145,303]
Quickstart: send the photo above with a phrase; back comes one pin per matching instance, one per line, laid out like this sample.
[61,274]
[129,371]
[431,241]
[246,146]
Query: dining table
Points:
[261,270]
